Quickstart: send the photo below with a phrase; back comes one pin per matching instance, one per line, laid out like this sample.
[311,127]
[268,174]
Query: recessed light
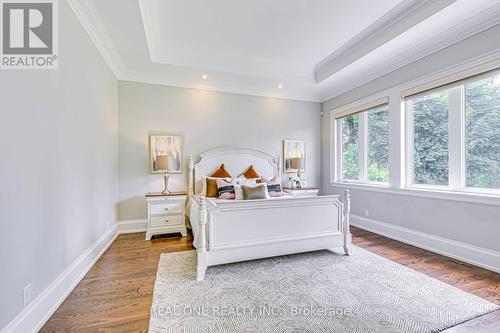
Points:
[204,76]
[280,86]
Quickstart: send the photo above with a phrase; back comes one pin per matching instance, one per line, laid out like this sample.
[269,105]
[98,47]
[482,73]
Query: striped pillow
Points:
[225,189]
[273,186]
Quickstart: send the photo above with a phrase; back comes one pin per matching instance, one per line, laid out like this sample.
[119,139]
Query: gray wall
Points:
[475,224]
[58,170]
[208,120]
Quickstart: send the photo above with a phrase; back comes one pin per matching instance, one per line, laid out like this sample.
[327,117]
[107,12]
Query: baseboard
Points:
[34,316]
[475,255]
[132,226]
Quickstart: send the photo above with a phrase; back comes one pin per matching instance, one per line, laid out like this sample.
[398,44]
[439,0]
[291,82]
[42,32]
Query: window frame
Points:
[467,71]
[362,147]
[456,140]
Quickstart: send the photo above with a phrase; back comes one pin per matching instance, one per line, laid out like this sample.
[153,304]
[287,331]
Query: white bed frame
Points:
[240,230]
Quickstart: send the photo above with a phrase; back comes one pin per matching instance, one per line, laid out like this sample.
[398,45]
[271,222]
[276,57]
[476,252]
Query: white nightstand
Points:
[166,214]
[302,192]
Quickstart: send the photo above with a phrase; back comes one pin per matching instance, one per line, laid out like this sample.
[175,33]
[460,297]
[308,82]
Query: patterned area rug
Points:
[309,292]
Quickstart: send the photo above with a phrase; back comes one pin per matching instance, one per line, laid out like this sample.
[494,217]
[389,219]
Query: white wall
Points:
[208,120]
[58,169]
[470,224]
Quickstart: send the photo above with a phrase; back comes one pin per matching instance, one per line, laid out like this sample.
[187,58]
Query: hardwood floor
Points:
[116,294]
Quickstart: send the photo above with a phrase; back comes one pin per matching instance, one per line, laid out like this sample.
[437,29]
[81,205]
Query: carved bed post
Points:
[201,247]
[278,166]
[191,175]
[346,225]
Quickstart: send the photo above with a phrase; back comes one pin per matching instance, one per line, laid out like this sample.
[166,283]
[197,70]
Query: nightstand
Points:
[302,192]
[166,214]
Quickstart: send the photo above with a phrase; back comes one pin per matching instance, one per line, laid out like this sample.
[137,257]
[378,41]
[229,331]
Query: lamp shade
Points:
[162,162]
[297,163]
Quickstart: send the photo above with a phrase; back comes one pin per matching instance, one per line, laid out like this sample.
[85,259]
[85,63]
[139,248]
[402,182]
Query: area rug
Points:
[310,292]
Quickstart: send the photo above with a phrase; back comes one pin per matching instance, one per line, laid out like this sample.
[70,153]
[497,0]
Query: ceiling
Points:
[295,49]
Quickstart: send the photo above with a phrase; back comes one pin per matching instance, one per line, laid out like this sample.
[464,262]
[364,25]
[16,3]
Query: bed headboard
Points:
[236,161]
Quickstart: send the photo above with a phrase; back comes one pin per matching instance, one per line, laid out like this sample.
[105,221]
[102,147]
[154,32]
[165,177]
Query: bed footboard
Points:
[245,230]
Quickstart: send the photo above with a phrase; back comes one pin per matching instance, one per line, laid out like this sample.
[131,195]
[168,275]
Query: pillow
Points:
[273,186]
[221,172]
[258,191]
[238,192]
[225,189]
[250,173]
[211,181]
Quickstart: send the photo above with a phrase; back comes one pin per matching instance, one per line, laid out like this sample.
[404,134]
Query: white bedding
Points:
[193,211]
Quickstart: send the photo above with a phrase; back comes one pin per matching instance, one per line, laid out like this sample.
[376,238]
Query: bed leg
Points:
[201,249]
[346,225]
[200,272]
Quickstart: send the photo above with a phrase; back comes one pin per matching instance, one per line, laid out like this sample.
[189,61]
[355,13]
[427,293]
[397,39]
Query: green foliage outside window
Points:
[350,147]
[378,144]
[430,139]
[482,124]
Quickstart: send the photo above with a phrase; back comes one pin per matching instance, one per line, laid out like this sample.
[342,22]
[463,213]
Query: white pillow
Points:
[271,180]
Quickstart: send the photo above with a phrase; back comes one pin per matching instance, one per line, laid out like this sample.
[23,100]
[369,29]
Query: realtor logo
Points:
[29,38]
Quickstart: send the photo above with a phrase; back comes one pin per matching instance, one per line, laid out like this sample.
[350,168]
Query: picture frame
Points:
[170,145]
[294,156]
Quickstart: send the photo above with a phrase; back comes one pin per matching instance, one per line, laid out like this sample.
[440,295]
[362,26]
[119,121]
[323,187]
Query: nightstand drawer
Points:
[160,221]
[166,208]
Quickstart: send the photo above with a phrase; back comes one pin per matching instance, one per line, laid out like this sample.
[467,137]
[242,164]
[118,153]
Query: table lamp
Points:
[162,164]
[298,164]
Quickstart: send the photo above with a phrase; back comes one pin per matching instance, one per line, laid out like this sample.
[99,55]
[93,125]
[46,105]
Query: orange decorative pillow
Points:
[221,172]
[251,173]
[212,190]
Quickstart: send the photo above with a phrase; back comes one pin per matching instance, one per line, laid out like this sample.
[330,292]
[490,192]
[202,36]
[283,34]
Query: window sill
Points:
[468,197]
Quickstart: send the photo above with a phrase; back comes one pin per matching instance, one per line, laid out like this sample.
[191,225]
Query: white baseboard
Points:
[475,255]
[34,316]
[132,226]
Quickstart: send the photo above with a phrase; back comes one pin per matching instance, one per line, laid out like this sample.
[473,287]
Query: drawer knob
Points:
[166,208]
[166,220]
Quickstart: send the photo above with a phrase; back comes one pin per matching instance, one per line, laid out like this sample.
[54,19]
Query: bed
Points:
[228,231]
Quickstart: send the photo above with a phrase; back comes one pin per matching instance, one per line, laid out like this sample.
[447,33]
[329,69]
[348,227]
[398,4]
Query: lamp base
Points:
[165,186]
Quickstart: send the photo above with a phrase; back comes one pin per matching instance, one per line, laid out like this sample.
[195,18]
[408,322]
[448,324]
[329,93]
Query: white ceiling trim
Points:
[226,88]
[472,26]
[92,23]
[398,20]
[150,20]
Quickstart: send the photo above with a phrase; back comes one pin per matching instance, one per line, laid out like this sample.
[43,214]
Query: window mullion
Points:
[338,157]
[456,140]
[363,147]
[409,143]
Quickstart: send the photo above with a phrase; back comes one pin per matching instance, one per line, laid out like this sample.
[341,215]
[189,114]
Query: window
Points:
[430,138]
[364,142]
[378,144]
[350,147]
[482,133]
[454,136]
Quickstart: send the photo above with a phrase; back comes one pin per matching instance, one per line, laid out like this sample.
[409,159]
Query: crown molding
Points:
[223,88]
[457,33]
[398,20]
[150,20]
[92,23]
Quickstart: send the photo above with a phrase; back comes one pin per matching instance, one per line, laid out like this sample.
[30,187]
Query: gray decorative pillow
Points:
[254,192]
